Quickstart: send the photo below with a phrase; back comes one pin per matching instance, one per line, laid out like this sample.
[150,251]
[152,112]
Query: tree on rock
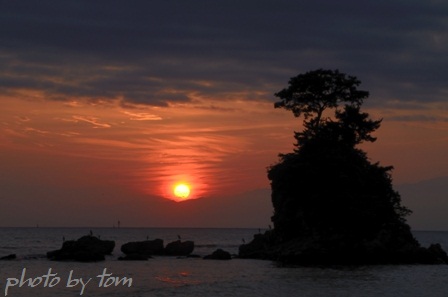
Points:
[328,185]
[316,92]
[331,204]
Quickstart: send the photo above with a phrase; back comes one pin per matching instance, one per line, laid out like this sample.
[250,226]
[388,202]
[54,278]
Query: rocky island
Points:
[332,206]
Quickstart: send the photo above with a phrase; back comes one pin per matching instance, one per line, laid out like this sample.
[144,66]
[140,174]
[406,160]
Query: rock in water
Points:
[144,248]
[438,253]
[219,254]
[9,257]
[332,205]
[179,248]
[384,249]
[85,249]
[258,248]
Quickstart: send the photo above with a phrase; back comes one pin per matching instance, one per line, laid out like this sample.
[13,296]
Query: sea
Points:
[32,274]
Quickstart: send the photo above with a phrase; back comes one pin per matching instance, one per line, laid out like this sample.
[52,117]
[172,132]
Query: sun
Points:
[181,191]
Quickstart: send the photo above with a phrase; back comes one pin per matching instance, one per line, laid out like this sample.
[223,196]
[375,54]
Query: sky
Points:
[107,105]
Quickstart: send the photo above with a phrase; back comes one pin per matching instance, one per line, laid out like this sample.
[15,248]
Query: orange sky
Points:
[96,154]
[220,148]
[151,148]
[104,110]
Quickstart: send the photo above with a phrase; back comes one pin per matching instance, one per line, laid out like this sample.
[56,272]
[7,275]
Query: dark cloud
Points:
[154,52]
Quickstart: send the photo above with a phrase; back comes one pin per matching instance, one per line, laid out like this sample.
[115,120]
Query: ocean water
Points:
[171,276]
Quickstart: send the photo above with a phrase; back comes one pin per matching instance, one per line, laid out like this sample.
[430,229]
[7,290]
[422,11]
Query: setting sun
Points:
[182,191]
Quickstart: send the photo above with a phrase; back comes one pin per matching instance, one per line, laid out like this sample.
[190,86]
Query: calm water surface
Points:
[170,276]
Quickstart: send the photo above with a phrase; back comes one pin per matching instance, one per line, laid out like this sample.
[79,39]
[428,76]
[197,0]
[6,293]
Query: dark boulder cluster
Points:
[325,251]
[85,249]
[91,249]
[143,250]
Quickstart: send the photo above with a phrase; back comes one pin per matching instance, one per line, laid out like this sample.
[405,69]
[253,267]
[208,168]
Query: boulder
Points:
[219,254]
[258,248]
[85,249]
[438,253]
[179,248]
[9,257]
[143,248]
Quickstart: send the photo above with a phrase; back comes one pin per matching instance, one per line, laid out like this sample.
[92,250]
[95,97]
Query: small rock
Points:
[144,248]
[439,254]
[219,254]
[9,257]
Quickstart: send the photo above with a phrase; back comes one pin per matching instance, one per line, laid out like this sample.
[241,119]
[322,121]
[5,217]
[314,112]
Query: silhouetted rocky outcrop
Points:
[436,252]
[261,247]
[144,248]
[219,254]
[325,251]
[85,249]
[9,257]
[332,205]
[179,248]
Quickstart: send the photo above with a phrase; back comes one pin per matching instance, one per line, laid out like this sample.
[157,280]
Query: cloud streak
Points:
[91,120]
[161,52]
